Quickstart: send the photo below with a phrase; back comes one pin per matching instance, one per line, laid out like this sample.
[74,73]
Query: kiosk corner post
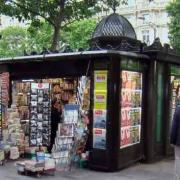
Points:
[168,150]
[151,113]
[114,110]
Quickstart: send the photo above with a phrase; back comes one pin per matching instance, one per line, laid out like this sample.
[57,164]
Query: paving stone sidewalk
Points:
[163,170]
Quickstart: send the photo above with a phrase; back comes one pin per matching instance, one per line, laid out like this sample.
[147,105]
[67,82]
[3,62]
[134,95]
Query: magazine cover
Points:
[126,98]
[136,98]
[135,134]
[125,137]
[131,80]
[99,138]
[126,79]
[65,129]
[125,117]
[99,119]
[135,116]
[136,80]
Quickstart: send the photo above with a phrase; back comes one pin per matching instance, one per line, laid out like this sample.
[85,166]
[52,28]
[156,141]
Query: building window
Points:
[131,2]
[145,37]
[145,18]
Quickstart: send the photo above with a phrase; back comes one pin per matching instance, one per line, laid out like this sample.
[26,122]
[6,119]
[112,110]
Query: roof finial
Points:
[114,6]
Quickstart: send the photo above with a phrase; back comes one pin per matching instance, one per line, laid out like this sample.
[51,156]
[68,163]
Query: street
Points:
[162,170]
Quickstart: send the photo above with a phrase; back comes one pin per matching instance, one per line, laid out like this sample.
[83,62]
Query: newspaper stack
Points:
[34,166]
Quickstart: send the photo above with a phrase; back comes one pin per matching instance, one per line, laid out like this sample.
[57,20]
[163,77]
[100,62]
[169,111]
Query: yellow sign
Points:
[100,80]
[100,99]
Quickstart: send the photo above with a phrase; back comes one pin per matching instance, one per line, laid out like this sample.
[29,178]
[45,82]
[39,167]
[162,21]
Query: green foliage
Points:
[78,33]
[39,36]
[174,26]
[13,42]
[16,40]
[56,12]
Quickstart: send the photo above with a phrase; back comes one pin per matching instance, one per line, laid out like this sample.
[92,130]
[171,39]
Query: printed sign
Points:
[100,100]
[100,80]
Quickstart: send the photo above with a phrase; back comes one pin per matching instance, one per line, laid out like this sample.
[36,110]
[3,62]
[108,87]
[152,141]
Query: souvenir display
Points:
[64,89]
[131,99]
[5,88]
[28,123]
[4,78]
[40,114]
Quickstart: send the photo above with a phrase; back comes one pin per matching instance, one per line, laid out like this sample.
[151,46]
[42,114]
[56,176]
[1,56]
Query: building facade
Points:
[6,21]
[148,17]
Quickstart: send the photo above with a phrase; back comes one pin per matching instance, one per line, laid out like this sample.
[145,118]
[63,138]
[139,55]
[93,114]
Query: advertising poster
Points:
[100,99]
[99,138]
[126,80]
[136,80]
[135,116]
[131,99]
[131,80]
[99,119]
[125,117]
[125,136]
[134,134]
[136,98]
[100,80]
[126,98]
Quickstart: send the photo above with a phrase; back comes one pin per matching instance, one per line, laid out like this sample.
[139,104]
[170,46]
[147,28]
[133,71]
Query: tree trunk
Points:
[55,39]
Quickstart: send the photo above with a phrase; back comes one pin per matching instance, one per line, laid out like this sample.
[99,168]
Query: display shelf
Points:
[64,90]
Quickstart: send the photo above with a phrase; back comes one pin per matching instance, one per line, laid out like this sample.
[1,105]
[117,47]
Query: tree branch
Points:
[33,12]
[68,23]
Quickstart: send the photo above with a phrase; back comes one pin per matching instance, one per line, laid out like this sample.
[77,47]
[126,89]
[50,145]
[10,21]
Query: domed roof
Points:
[114,25]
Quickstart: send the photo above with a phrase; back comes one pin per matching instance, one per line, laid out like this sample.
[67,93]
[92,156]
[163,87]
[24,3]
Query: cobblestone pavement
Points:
[162,170]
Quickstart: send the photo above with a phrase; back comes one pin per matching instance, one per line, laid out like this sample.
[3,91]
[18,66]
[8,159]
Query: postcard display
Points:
[40,114]
[72,133]
[100,110]
[64,142]
[131,102]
